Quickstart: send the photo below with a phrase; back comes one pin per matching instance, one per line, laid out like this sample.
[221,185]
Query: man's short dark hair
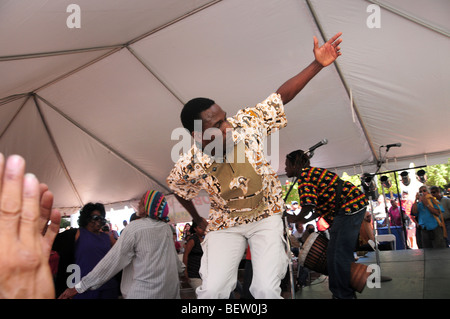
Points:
[191,111]
[299,158]
[435,189]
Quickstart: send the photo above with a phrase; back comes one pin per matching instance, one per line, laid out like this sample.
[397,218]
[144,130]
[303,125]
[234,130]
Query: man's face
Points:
[435,193]
[214,118]
[289,168]
[423,191]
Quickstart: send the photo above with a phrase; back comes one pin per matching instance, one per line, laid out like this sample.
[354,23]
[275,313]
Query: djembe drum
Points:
[313,255]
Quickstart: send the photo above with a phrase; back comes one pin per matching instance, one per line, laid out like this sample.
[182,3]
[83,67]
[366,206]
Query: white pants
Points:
[224,249]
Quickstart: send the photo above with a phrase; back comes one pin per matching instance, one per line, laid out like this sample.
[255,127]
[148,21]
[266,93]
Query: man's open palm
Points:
[329,51]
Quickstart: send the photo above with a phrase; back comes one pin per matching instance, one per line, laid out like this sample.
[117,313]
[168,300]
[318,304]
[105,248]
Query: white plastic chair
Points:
[387,237]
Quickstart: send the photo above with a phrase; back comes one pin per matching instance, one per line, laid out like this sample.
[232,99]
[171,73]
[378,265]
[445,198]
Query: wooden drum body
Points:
[313,255]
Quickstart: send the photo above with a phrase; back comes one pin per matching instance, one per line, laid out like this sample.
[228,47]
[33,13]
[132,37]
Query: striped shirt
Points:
[317,187]
[146,253]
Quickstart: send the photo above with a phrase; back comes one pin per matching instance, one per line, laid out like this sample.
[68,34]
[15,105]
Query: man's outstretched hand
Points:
[329,51]
[324,56]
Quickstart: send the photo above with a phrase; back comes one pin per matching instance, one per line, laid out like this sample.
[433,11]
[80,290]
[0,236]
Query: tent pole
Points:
[15,115]
[12,98]
[168,24]
[133,53]
[55,148]
[57,53]
[344,82]
[108,147]
[62,77]
[410,18]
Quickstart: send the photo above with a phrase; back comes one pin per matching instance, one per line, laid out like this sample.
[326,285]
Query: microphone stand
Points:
[288,244]
[380,162]
[288,253]
[388,217]
[375,229]
[377,252]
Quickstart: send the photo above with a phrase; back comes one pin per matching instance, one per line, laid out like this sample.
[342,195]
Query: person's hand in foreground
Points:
[25,236]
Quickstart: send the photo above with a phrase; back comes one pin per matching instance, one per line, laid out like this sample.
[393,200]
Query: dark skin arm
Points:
[301,216]
[324,56]
[189,206]
[187,250]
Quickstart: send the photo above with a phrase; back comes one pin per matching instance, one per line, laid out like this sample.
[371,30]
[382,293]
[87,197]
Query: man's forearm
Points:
[189,206]
[414,209]
[294,85]
[307,216]
[434,211]
[115,260]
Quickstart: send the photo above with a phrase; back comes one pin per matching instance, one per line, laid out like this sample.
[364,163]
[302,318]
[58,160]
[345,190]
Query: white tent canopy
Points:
[92,109]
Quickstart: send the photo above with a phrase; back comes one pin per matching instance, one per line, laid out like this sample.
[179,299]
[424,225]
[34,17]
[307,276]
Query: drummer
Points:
[341,204]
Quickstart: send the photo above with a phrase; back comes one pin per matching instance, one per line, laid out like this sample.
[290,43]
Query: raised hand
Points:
[329,51]
[25,239]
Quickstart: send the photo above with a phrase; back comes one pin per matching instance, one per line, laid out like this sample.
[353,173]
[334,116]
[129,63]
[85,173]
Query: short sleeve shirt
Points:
[317,187]
[193,172]
[425,218]
[445,202]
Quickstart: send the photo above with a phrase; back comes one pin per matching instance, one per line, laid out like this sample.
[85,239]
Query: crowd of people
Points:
[246,217]
[427,211]
[113,266]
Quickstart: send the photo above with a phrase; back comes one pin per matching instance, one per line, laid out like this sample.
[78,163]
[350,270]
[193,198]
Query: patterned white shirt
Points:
[193,171]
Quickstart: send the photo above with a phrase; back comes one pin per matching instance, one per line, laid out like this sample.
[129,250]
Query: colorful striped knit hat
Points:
[156,206]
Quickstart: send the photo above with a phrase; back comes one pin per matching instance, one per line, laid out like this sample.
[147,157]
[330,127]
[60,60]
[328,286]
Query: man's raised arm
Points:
[324,56]
[189,206]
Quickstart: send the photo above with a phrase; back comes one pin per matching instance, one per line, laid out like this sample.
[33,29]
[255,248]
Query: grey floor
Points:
[415,273]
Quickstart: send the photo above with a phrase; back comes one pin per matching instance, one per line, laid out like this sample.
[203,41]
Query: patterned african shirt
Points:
[317,187]
[196,171]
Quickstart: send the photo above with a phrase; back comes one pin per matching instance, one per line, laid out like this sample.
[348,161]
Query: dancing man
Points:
[341,204]
[244,190]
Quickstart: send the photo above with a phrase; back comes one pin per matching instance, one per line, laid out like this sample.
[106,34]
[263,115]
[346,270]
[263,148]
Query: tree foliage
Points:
[293,195]
[438,175]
